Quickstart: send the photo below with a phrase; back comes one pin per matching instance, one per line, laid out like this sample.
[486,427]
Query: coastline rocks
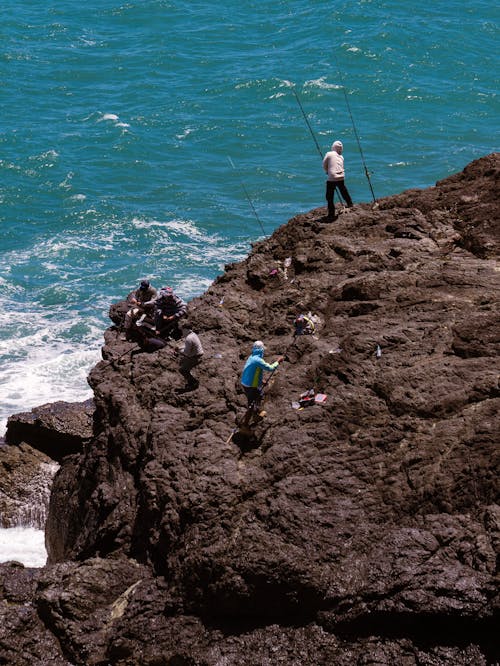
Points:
[24,638]
[365,529]
[25,482]
[57,429]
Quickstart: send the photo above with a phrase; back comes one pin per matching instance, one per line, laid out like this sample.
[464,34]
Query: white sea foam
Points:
[44,358]
[23,544]
[147,224]
[66,183]
[177,226]
[185,134]
[322,84]
[46,373]
[86,41]
[5,283]
[47,155]
[63,245]
[108,116]
[192,284]
[187,227]
[115,119]
[213,254]
[54,268]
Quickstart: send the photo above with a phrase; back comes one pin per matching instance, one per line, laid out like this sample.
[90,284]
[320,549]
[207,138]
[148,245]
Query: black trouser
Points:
[167,329]
[153,344]
[330,191]
[254,396]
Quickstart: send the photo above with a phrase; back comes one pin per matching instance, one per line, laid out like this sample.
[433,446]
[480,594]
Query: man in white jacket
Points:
[333,164]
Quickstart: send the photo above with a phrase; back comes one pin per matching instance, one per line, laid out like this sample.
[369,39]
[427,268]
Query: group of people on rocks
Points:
[157,313]
[155,317]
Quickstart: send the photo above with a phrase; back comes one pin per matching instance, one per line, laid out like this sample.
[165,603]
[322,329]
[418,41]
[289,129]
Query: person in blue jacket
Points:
[251,377]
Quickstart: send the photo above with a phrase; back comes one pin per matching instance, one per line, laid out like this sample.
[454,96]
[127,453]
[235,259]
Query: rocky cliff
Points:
[364,529]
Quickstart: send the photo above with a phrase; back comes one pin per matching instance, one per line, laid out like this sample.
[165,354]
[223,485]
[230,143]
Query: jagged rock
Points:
[117,311]
[24,639]
[57,429]
[361,530]
[96,596]
[25,475]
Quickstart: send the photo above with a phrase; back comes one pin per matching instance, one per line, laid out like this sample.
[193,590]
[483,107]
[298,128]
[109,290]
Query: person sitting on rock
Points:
[143,333]
[252,376]
[191,355]
[303,325]
[137,300]
[168,309]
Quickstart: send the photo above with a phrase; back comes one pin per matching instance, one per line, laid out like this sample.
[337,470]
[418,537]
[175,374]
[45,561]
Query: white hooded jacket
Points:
[333,164]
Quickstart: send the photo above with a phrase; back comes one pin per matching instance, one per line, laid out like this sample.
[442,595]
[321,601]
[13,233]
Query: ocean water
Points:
[130,128]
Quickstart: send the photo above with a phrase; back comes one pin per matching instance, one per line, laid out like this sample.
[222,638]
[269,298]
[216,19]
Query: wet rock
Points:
[25,481]
[57,429]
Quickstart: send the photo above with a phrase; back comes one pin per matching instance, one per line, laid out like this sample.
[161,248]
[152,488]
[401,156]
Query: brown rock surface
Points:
[362,530]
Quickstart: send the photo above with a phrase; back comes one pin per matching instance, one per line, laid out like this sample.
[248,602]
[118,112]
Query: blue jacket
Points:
[252,370]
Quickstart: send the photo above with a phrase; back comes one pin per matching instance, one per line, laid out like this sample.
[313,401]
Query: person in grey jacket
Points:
[168,309]
[191,355]
[333,164]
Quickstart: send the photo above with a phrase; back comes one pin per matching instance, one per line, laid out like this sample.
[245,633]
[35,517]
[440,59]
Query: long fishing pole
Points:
[311,131]
[307,122]
[367,173]
[248,197]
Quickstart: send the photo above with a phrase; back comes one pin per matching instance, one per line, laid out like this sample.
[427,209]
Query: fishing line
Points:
[248,197]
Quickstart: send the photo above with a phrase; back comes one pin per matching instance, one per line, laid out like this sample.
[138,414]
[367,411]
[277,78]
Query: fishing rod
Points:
[248,197]
[117,358]
[307,122]
[367,173]
[311,131]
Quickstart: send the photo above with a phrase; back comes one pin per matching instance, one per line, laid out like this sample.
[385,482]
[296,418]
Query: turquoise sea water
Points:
[119,121]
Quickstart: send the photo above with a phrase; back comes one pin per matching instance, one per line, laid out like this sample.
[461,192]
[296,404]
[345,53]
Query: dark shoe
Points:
[190,386]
